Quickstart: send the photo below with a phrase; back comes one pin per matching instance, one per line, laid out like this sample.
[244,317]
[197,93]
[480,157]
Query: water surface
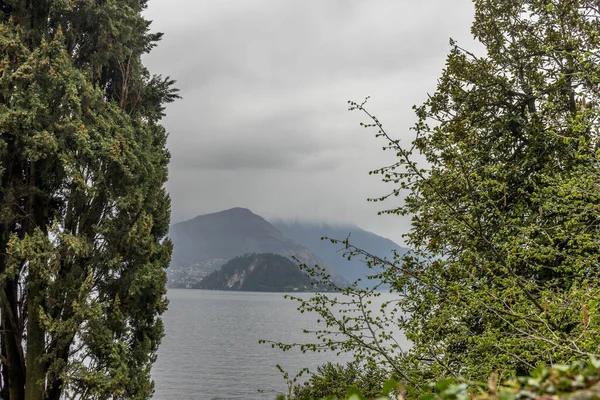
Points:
[211,348]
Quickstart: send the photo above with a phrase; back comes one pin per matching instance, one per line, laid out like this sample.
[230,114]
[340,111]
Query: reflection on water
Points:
[211,348]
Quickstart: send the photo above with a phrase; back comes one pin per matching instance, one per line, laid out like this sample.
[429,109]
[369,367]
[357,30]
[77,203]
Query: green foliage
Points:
[504,225]
[501,182]
[266,272]
[83,211]
[578,380]
[336,380]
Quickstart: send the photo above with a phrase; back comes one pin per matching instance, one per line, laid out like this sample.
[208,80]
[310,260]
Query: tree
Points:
[335,380]
[505,207]
[505,213]
[83,211]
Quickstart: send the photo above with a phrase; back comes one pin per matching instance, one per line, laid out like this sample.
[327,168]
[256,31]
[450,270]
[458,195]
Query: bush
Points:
[577,381]
[336,379]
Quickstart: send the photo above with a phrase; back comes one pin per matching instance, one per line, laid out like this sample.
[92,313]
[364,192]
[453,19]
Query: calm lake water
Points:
[211,348]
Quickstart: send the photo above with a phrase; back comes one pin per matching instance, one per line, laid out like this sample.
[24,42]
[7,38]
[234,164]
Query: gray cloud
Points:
[253,156]
[264,123]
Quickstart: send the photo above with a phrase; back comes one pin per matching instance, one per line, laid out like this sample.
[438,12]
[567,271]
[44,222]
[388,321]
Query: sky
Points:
[263,122]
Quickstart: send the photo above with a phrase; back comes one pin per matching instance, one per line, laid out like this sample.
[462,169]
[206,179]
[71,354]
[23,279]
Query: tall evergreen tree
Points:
[83,211]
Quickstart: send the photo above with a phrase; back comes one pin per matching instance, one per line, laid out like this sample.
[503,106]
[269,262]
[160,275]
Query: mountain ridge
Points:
[205,242]
[309,234]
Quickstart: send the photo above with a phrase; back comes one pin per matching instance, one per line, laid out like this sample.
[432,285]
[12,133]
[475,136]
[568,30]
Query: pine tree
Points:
[83,211]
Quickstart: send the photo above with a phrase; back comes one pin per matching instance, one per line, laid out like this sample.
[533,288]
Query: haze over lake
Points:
[211,348]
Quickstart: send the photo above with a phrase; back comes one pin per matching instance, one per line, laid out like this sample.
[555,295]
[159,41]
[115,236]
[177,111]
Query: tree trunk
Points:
[36,371]
[36,366]
[13,370]
[11,341]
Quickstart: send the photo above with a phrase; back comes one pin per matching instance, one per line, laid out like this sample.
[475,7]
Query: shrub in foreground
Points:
[577,381]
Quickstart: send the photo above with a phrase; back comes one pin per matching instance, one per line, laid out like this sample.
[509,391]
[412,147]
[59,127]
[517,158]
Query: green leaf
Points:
[443,384]
[354,394]
[506,394]
[388,386]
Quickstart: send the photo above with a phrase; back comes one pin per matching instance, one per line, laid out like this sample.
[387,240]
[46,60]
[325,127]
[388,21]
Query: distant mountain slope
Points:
[203,244]
[258,272]
[309,235]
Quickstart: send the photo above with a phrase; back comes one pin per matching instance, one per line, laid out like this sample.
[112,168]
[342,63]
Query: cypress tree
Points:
[83,210]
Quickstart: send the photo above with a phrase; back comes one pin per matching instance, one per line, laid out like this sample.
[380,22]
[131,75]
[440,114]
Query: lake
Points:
[211,348]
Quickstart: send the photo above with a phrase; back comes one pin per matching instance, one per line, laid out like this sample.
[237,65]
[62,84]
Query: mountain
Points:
[258,272]
[203,244]
[309,235]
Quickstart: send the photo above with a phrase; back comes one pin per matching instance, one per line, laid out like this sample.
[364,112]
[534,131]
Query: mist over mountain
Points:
[309,234]
[203,244]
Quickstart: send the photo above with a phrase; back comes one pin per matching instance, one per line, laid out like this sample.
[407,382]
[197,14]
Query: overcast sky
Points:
[263,122]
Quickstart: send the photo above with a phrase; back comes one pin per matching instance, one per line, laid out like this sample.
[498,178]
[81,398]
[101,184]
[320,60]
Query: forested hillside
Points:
[259,272]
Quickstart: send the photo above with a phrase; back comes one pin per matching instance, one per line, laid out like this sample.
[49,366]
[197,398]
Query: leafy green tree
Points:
[83,211]
[505,213]
[336,379]
[501,181]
